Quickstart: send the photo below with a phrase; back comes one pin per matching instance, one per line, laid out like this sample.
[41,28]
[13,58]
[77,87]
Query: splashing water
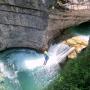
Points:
[56,49]
[24,69]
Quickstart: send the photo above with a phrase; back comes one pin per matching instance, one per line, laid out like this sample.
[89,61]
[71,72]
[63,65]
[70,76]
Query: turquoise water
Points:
[82,29]
[24,68]
[22,76]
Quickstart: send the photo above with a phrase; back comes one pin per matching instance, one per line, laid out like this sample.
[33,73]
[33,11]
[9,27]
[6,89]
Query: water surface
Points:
[24,70]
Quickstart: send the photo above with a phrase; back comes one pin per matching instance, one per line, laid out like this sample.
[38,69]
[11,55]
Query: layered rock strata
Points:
[28,23]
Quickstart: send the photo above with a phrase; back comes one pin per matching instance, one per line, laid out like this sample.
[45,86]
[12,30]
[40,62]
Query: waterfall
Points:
[14,65]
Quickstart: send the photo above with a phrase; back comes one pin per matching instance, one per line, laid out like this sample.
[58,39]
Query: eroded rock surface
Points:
[22,23]
[28,23]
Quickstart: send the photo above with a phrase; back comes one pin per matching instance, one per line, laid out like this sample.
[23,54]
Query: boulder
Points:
[78,42]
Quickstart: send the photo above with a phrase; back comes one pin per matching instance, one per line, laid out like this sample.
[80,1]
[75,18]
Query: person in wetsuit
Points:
[46,57]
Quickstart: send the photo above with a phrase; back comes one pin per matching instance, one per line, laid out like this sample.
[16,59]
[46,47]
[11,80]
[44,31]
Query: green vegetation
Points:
[75,75]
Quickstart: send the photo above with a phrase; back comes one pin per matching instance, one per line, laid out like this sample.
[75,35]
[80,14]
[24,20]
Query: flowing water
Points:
[82,29]
[23,69]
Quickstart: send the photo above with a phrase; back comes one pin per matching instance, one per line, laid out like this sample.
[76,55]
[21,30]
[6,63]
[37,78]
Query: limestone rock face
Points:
[28,23]
[34,4]
[78,42]
[78,1]
[22,24]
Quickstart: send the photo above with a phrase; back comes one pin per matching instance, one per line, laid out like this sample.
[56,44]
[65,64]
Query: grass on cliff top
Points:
[75,75]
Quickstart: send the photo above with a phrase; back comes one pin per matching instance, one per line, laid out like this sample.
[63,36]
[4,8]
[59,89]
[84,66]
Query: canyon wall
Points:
[29,23]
